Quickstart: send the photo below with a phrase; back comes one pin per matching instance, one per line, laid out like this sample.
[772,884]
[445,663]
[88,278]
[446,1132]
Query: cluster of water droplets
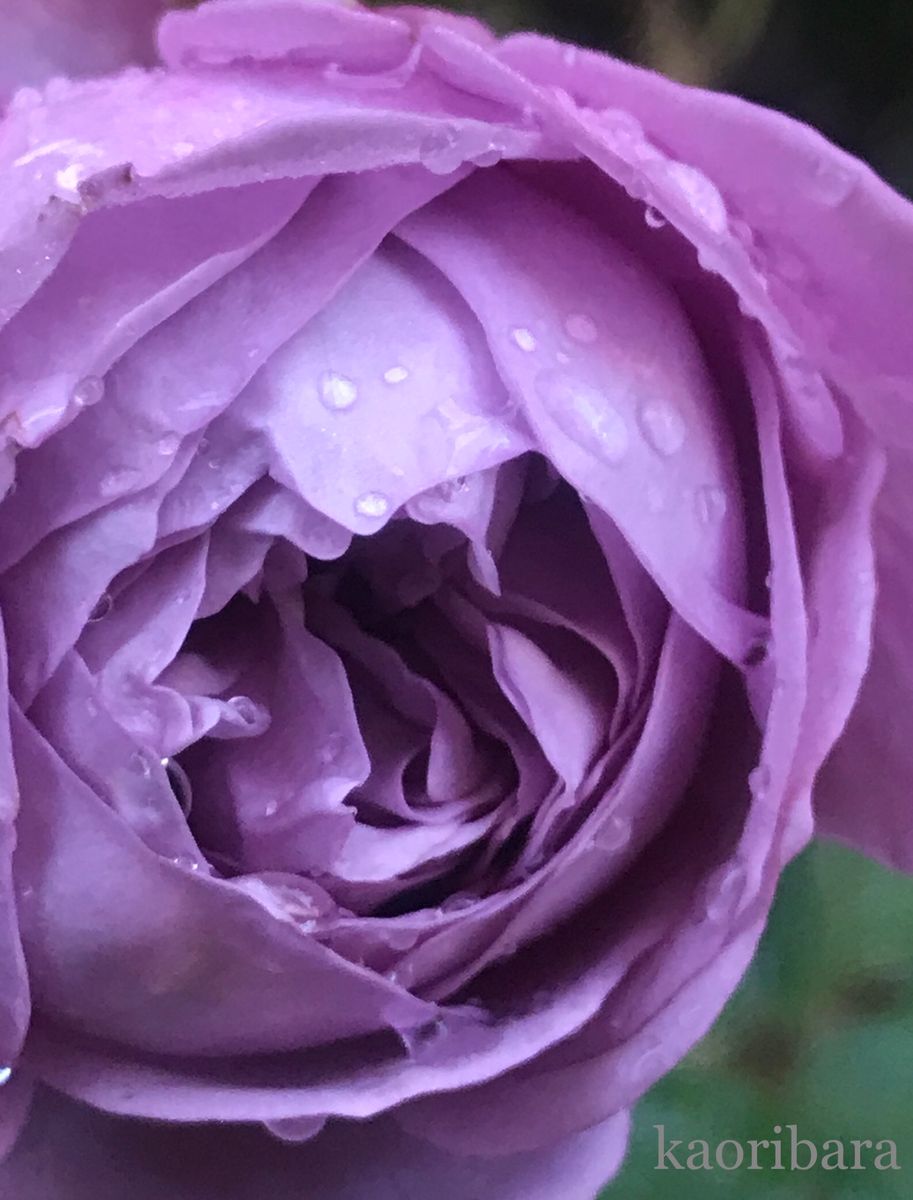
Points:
[587,416]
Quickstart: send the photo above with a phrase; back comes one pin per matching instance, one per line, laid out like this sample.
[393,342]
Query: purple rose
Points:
[445,481]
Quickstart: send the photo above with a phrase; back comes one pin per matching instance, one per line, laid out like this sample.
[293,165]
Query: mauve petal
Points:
[109,291]
[385,393]
[346,1161]
[223,31]
[107,924]
[15,1004]
[16,1096]
[610,379]
[831,244]
[805,199]
[128,777]
[44,38]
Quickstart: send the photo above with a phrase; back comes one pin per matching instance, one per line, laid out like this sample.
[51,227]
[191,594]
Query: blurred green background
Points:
[821,1033]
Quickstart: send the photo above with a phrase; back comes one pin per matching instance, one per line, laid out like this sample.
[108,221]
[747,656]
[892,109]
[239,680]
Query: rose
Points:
[487,803]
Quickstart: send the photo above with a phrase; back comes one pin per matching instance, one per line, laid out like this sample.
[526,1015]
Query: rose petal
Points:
[347,1161]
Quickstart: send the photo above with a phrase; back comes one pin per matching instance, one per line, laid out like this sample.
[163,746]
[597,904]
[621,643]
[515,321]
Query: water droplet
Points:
[656,498]
[115,483]
[832,183]
[759,781]
[458,903]
[101,608]
[524,338]
[372,504]
[769,580]
[613,834]
[421,1038]
[440,152]
[662,427]
[186,863]
[214,463]
[581,328]
[250,713]
[654,218]
[143,762]
[69,178]
[329,751]
[168,444]
[337,391]
[271,808]
[295,1129]
[723,893]
[585,415]
[88,391]
[756,654]
[711,504]
[180,784]
[6,1074]
[396,375]
[700,195]
[450,489]
[488,158]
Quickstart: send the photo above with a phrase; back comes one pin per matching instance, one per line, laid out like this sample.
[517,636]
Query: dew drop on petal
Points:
[488,158]
[6,1074]
[88,391]
[143,762]
[440,152]
[756,654]
[710,502]
[759,781]
[101,608]
[656,498]
[186,863]
[723,893]
[581,328]
[168,444]
[421,1038]
[662,426]
[295,1129]
[614,833]
[337,392]
[654,218]
[180,785]
[252,714]
[396,375]
[372,504]
[832,183]
[585,415]
[271,808]
[523,338]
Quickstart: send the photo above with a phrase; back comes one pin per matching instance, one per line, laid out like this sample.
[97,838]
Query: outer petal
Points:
[347,1161]
[44,38]
[832,246]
